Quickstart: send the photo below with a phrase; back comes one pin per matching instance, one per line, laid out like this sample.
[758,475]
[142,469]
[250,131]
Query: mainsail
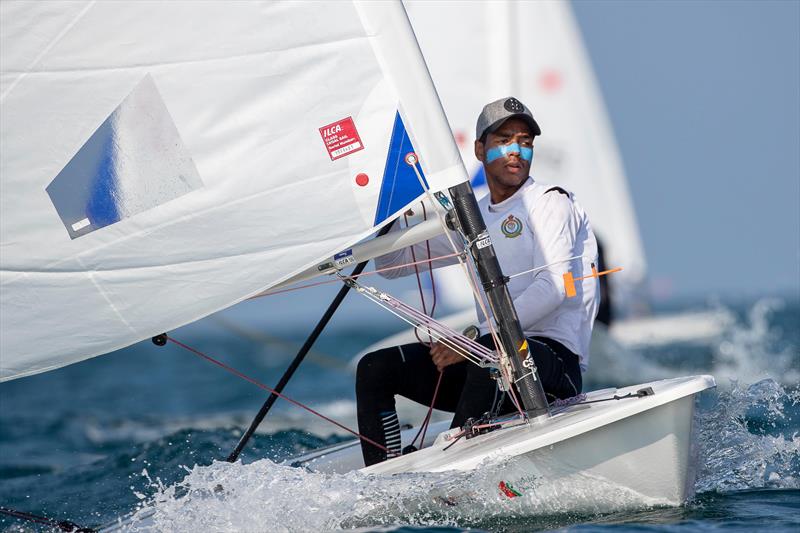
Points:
[534,50]
[162,161]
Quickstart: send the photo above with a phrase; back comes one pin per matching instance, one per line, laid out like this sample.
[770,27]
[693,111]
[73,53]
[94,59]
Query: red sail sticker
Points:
[341,138]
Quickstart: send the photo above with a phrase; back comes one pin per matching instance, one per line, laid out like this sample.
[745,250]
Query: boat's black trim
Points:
[287,375]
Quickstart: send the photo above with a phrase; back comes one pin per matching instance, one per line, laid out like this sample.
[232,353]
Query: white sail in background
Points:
[162,161]
[481,51]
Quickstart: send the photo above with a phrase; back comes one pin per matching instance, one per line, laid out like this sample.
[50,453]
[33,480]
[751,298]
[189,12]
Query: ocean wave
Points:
[749,438]
[759,346]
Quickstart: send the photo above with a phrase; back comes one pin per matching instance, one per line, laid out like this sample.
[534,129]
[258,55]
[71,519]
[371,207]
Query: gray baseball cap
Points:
[497,112]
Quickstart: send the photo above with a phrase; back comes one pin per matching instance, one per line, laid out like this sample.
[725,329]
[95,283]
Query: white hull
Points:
[634,451]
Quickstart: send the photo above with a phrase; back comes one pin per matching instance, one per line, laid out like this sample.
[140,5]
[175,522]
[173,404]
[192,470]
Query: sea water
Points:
[145,430]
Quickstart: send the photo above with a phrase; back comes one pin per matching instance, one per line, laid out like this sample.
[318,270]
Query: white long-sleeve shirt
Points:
[531,229]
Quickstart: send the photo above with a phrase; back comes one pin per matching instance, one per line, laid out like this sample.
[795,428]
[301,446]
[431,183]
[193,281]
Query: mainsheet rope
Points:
[412,160]
[423,428]
[464,346]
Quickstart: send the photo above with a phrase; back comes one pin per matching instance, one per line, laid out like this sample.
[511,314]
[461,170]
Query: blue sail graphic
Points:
[400,184]
[133,162]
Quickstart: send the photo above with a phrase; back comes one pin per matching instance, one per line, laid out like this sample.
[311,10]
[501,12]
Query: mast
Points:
[513,340]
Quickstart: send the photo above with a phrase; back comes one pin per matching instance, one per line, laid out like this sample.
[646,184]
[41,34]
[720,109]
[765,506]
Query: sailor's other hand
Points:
[444,356]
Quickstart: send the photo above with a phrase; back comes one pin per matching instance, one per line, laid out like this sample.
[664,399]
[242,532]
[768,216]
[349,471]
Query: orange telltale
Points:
[569,285]
[569,281]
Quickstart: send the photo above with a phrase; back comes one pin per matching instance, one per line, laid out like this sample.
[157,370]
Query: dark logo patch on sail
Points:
[133,162]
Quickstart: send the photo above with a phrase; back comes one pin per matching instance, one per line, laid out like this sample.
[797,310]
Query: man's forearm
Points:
[540,299]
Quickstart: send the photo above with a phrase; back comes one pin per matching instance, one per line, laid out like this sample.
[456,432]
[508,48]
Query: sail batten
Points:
[164,161]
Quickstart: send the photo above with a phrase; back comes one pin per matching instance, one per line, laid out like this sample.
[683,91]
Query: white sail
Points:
[533,50]
[163,160]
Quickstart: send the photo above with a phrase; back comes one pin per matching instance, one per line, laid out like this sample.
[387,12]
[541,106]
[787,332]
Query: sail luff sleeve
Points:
[398,52]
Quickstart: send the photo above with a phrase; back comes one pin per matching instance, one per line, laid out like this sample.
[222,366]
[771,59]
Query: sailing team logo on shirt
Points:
[511,227]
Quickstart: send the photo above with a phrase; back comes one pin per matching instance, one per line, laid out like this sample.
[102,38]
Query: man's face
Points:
[507,153]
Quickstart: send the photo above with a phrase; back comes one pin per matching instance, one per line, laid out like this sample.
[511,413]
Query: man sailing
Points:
[531,225]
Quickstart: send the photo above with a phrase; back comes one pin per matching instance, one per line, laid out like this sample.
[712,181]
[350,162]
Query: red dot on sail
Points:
[362,180]
[460,137]
[550,80]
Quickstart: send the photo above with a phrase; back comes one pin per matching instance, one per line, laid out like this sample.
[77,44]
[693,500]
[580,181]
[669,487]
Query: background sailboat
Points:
[534,50]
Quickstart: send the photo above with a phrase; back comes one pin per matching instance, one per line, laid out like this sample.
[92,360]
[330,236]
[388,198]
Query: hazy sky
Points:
[705,101]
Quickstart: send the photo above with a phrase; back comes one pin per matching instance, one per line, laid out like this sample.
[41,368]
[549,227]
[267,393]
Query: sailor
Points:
[531,225]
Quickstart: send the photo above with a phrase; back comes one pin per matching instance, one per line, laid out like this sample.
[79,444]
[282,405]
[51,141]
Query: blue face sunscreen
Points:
[503,150]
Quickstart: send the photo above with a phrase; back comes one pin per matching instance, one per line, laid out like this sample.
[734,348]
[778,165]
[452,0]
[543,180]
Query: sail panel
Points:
[162,161]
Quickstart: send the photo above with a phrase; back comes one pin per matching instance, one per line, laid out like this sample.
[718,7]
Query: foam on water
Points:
[750,438]
[747,439]
[755,345]
[265,495]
